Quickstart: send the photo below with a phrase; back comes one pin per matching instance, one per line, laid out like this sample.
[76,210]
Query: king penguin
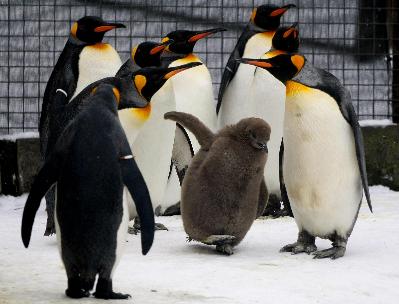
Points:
[255,40]
[152,145]
[91,163]
[83,60]
[324,166]
[267,101]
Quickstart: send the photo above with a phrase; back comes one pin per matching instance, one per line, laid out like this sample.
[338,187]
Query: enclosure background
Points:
[348,38]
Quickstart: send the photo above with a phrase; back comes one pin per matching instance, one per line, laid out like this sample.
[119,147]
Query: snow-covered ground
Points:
[178,272]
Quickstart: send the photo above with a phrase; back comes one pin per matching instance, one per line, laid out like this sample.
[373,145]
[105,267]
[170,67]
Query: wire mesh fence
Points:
[354,40]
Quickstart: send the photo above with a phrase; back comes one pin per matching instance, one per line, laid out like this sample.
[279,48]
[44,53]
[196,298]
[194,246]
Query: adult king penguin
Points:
[152,146]
[193,89]
[83,60]
[90,164]
[267,101]
[324,164]
[255,40]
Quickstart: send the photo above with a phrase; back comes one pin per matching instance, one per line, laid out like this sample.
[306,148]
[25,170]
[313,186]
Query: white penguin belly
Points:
[321,172]
[121,236]
[268,103]
[236,99]
[96,62]
[152,148]
[194,94]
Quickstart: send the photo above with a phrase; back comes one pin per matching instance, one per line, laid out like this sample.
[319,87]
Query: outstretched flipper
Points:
[137,187]
[182,152]
[283,190]
[203,134]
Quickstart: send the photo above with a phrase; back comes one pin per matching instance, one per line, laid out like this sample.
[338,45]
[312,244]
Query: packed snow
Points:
[14,137]
[177,272]
[376,123]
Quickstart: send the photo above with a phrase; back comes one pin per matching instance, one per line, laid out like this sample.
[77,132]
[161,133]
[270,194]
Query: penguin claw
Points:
[333,253]
[159,226]
[112,296]
[50,230]
[136,228]
[226,249]
[219,240]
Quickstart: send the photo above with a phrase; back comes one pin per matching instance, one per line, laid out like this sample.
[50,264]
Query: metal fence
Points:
[351,39]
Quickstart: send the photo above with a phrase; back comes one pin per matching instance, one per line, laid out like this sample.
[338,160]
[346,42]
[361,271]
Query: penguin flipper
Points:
[283,189]
[359,145]
[232,65]
[137,187]
[203,134]
[46,177]
[182,152]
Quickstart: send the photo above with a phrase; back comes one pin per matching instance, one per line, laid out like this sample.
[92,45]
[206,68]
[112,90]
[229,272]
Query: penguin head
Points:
[91,29]
[184,41]
[284,66]
[268,16]
[148,53]
[286,39]
[149,80]
[255,132]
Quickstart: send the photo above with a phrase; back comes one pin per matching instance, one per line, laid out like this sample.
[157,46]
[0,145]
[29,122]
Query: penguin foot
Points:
[226,249]
[272,207]
[50,230]
[75,289]
[219,240]
[112,296]
[333,253]
[299,247]
[159,226]
[282,213]
[172,210]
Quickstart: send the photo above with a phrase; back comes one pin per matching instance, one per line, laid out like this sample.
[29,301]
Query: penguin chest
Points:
[320,166]
[268,103]
[236,102]
[96,61]
[153,146]
[194,94]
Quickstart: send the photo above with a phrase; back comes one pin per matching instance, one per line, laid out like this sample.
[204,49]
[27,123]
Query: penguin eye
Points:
[140,82]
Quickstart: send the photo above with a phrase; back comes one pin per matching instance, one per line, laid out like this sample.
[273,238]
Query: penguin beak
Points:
[262,63]
[173,71]
[159,48]
[202,34]
[291,29]
[108,26]
[281,10]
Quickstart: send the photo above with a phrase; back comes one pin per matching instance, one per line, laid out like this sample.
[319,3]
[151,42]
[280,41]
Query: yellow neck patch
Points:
[140,82]
[295,88]
[141,114]
[188,59]
[101,46]
[74,29]
[267,35]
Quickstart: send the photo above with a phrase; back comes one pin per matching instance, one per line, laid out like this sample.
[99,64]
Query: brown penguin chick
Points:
[223,191]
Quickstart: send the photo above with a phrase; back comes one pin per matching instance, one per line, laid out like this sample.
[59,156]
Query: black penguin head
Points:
[268,16]
[286,39]
[149,80]
[255,132]
[148,53]
[284,66]
[91,29]
[184,41]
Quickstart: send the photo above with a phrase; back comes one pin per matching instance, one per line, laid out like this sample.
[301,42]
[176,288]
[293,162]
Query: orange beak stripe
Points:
[173,73]
[104,28]
[199,36]
[157,49]
[288,32]
[278,12]
[260,64]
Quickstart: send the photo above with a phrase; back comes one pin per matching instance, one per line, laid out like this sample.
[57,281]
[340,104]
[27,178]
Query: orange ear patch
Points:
[253,15]
[74,29]
[140,82]
[117,94]
[298,61]
[93,90]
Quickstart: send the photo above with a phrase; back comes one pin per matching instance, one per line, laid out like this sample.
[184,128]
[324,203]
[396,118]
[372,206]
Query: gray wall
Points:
[32,34]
